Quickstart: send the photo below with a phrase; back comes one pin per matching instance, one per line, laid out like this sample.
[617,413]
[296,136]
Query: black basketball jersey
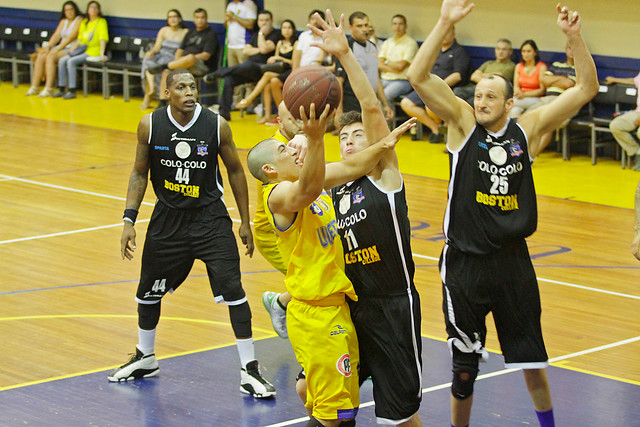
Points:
[492,198]
[184,160]
[375,232]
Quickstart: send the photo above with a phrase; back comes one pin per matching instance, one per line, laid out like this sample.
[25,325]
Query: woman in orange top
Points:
[527,83]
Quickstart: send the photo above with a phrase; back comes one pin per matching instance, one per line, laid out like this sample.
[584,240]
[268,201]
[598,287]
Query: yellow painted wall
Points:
[607,23]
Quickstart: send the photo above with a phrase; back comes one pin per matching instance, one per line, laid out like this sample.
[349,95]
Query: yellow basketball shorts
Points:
[265,241]
[325,343]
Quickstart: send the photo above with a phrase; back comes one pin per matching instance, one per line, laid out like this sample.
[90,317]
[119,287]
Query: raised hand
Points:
[314,127]
[568,20]
[391,139]
[334,41]
[454,10]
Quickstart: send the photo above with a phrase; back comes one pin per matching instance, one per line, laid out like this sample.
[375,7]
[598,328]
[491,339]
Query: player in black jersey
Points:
[485,265]
[373,224]
[179,145]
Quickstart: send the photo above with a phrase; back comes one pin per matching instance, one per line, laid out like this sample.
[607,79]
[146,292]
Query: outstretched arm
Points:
[288,197]
[137,187]
[437,94]
[238,183]
[334,42]
[545,119]
[362,162]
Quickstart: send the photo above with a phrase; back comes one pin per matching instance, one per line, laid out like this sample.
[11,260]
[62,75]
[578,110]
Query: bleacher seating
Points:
[596,119]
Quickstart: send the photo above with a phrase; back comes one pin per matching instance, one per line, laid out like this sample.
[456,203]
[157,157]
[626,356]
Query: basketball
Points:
[311,85]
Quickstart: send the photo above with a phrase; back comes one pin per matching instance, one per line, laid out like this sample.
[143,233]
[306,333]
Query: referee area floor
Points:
[67,314]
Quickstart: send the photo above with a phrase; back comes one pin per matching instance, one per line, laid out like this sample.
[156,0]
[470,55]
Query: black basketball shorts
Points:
[176,238]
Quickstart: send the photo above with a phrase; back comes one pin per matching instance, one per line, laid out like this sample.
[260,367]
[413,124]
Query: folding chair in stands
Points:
[8,48]
[99,68]
[626,98]
[119,57]
[28,40]
[595,122]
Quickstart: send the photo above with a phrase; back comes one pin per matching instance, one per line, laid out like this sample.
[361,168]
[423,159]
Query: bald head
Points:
[261,154]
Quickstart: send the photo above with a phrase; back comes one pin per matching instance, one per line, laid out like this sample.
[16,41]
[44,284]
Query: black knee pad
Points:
[313,423]
[350,423]
[462,384]
[240,316]
[148,316]
[465,371]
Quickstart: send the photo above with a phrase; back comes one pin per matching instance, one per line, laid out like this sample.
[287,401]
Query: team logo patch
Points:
[498,155]
[202,148]
[345,204]
[317,210]
[343,365]
[358,196]
[183,149]
[482,145]
[515,150]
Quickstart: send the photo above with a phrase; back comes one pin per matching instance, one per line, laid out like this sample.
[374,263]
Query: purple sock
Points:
[546,418]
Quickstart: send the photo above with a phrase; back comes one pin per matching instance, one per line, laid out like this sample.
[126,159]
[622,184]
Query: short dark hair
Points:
[508,86]
[404,18]
[534,46]
[507,41]
[201,10]
[266,12]
[318,11]
[73,4]
[174,73]
[356,15]
[349,118]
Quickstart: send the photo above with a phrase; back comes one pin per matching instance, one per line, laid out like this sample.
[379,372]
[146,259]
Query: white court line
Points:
[64,233]
[481,377]
[75,190]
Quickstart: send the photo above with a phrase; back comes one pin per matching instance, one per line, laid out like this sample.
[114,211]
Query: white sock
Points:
[246,351]
[146,340]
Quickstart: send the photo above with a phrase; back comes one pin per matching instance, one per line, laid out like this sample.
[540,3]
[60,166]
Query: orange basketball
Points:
[311,85]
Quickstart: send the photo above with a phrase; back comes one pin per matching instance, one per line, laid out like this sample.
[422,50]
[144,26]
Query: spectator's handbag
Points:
[81,48]
[78,50]
[275,67]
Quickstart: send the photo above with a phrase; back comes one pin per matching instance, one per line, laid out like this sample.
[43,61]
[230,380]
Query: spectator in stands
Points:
[452,66]
[197,53]
[303,54]
[394,57]
[277,67]
[239,21]
[623,126]
[502,65]
[366,54]
[527,83]
[559,77]
[373,38]
[168,41]
[91,45]
[258,50]
[46,57]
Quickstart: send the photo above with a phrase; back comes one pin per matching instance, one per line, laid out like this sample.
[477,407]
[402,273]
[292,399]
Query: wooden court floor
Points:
[66,297]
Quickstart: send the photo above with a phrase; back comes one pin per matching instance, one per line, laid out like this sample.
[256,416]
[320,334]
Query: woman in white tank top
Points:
[47,56]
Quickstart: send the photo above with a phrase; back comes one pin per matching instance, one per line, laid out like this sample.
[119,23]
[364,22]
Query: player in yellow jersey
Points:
[265,237]
[302,214]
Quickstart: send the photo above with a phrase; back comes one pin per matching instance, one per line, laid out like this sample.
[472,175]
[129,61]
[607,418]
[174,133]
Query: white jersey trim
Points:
[454,168]
[219,182]
[196,114]
[150,128]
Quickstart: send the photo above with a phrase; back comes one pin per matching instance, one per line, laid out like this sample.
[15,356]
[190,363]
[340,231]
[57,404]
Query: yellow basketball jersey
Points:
[312,251]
